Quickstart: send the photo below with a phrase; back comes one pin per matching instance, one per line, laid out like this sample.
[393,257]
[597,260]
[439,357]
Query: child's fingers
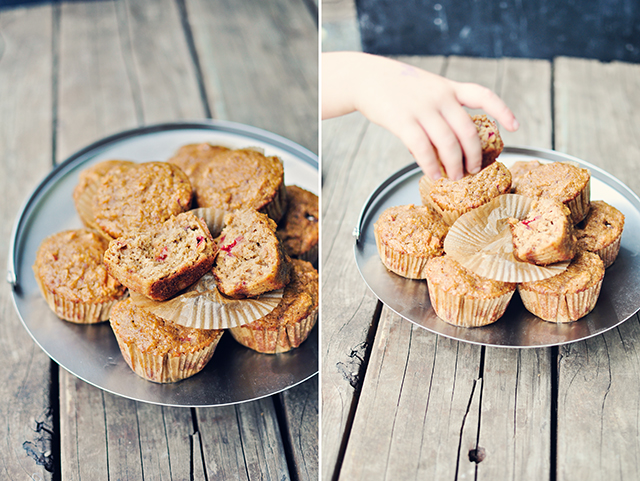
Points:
[478,97]
[416,140]
[446,144]
[467,134]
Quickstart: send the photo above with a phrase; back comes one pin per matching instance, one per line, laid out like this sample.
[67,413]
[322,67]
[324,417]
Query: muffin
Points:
[453,198]
[159,350]
[462,298]
[565,182]
[519,168]
[88,182]
[160,262]
[191,157]
[601,231]
[289,324]
[242,178]
[407,236]
[73,278]
[140,197]
[546,235]
[251,259]
[490,139]
[568,296]
[298,229]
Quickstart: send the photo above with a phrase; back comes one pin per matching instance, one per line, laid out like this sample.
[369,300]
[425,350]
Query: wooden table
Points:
[72,73]
[399,402]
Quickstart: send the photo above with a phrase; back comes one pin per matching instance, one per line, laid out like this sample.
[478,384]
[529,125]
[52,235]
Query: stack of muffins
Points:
[145,250]
[530,228]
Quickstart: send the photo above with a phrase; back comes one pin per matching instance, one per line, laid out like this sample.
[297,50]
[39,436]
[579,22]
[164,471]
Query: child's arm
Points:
[421,108]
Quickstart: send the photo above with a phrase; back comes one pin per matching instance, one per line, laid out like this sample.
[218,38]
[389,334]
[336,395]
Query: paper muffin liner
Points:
[579,206]
[75,311]
[274,341]
[560,308]
[466,311]
[202,306]
[310,256]
[166,368]
[278,205]
[403,264]
[481,241]
[609,253]
[214,218]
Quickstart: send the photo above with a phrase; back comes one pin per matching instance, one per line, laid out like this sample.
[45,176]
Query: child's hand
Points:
[423,109]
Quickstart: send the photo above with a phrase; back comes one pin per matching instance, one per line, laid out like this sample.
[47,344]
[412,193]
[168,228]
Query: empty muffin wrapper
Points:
[481,241]
[202,306]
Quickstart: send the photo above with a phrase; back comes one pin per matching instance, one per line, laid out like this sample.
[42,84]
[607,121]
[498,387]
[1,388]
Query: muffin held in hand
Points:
[251,260]
[298,229]
[460,297]
[561,181]
[568,296]
[407,236]
[242,178]
[490,140]
[157,349]
[546,235]
[601,231]
[140,197]
[453,198]
[73,279]
[160,262]
[289,324]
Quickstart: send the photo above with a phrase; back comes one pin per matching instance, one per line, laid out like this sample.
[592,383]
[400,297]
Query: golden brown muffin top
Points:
[453,278]
[298,229]
[69,264]
[412,229]
[192,156]
[556,180]
[585,271]
[300,299]
[603,225]
[490,140]
[140,197]
[472,190]
[94,173]
[155,335]
[238,178]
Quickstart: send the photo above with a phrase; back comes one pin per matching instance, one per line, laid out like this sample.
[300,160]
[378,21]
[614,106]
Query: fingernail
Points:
[475,170]
[515,124]
[435,176]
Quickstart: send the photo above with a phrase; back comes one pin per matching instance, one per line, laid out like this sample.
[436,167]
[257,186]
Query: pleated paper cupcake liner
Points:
[202,306]
[467,311]
[76,311]
[403,264]
[481,241]
[609,253]
[579,206]
[273,341]
[214,218]
[166,368]
[560,308]
[278,205]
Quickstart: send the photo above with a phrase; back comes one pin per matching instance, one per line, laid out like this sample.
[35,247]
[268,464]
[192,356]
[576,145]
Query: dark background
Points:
[601,29]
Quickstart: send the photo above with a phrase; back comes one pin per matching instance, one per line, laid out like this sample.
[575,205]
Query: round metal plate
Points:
[235,374]
[619,298]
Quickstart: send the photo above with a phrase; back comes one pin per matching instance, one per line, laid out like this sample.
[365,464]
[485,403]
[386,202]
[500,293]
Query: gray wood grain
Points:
[597,119]
[260,64]
[27,449]
[300,406]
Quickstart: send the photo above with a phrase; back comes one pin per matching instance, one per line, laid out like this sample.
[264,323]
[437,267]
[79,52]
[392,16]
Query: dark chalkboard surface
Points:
[601,29]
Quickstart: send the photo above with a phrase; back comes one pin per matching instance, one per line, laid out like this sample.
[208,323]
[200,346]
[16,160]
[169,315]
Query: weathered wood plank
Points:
[597,119]
[260,64]
[402,428]
[159,63]
[300,406]
[25,148]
